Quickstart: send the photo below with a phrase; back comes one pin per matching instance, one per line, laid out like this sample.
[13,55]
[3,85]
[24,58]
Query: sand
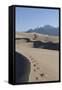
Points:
[40,37]
[44,62]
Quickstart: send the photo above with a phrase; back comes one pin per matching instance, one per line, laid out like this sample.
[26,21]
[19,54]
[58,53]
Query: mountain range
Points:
[47,29]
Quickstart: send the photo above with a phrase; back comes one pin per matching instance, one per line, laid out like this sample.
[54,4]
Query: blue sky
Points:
[27,18]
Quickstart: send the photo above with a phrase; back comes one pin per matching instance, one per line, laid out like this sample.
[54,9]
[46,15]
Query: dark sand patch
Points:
[37,78]
[34,65]
[42,74]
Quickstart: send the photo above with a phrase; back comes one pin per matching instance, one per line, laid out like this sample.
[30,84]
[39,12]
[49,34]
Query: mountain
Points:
[47,29]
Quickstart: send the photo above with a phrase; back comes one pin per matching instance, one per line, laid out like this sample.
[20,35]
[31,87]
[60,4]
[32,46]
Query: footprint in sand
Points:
[30,56]
[33,61]
[42,74]
[37,78]
[35,70]
[34,65]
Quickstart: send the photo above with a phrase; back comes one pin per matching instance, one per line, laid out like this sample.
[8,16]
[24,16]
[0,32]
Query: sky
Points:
[30,18]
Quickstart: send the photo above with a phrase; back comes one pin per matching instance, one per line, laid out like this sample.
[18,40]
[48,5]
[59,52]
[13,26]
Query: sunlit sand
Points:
[44,62]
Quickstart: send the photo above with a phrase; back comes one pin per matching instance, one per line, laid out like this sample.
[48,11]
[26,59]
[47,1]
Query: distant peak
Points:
[48,26]
[47,29]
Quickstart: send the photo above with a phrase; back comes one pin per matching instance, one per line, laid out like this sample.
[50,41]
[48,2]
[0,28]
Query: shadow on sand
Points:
[23,67]
[46,45]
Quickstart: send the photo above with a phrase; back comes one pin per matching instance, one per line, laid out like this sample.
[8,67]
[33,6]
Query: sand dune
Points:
[40,37]
[44,62]
[23,67]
